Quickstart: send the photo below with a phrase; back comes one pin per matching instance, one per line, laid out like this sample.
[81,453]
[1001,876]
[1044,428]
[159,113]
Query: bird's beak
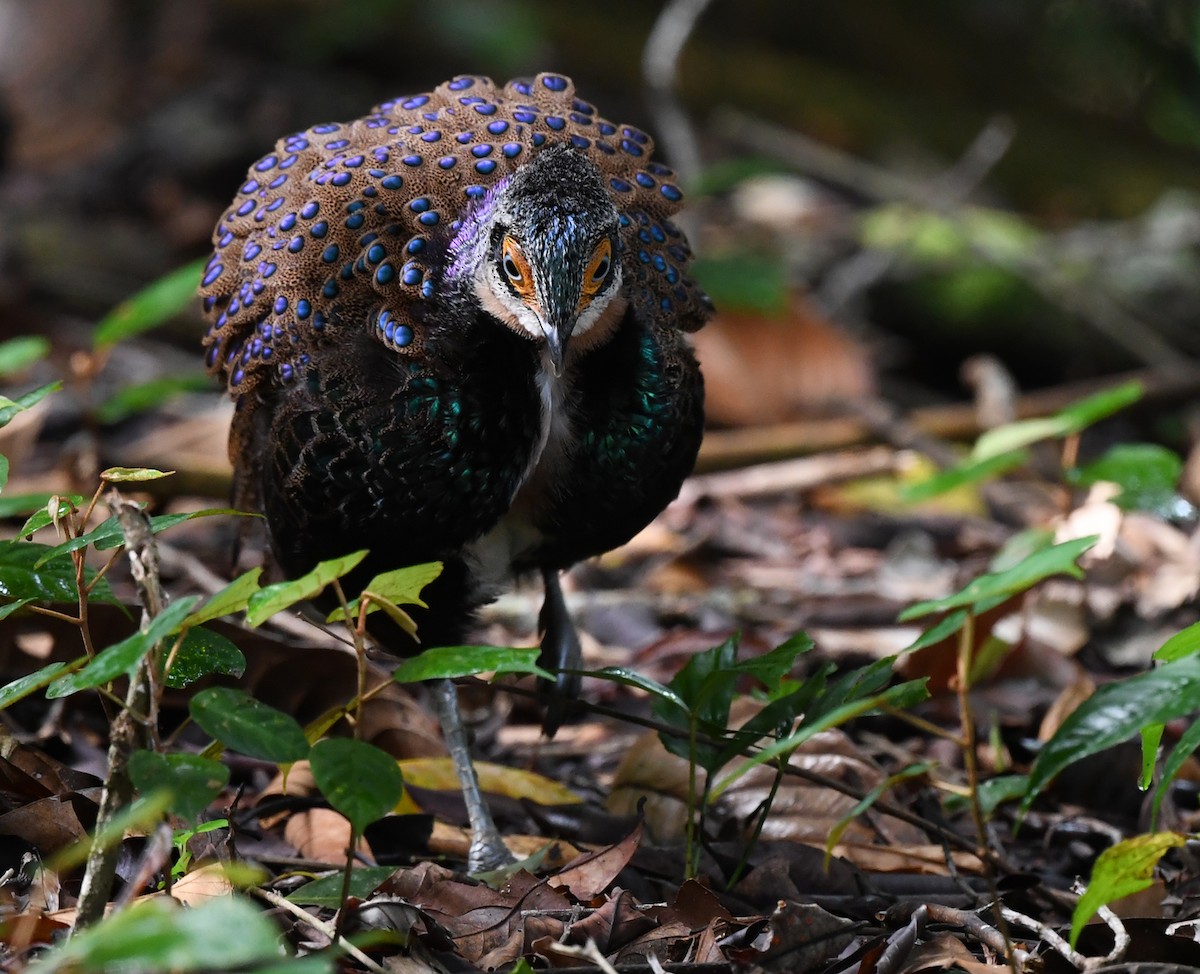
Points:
[557,334]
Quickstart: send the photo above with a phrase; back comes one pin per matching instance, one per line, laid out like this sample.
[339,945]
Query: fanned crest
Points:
[348,225]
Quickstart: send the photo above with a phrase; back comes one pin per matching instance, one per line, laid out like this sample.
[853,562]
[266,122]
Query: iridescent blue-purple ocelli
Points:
[357,216]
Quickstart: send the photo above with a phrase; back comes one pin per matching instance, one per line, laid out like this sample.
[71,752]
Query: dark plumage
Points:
[454,331]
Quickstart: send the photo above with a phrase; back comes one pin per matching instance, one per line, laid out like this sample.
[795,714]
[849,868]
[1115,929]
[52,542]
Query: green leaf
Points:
[22,576]
[135,399]
[202,653]
[402,586]
[1115,713]
[225,933]
[946,627]
[242,723]
[1058,559]
[631,678]
[109,534]
[192,781]
[20,689]
[745,281]
[17,354]
[1147,474]
[11,607]
[119,475]
[1003,788]
[899,697]
[1184,643]
[771,667]
[448,662]
[150,306]
[234,597]
[706,685]
[1072,419]
[3,471]
[969,472]
[356,778]
[867,801]
[121,658]
[1103,404]
[1151,739]
[327,891]
[1122,870]
[1188,741]
[14,505]
[10,407]
[275,598]
[1005,440]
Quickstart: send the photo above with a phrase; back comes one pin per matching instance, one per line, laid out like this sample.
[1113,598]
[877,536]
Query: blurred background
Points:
[880,192]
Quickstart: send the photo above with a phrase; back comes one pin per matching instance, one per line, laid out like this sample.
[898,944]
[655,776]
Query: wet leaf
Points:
[449,662]
[356,778]
[22,576]
[202,653]
[120,659]
[248,726]
[1115,713]
[192,781]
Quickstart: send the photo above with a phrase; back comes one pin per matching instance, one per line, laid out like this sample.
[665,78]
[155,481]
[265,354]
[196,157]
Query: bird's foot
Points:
[488,851]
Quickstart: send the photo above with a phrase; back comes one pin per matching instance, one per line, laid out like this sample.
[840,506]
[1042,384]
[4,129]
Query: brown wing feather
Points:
[346,224]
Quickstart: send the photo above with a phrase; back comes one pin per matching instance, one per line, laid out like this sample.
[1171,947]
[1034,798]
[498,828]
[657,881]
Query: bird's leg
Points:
[488,850]
[560,651]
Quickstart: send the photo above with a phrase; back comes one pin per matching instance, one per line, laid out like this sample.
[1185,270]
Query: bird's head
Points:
[542,254]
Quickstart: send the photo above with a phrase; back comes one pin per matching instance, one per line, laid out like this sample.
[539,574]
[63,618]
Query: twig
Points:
[1086,299]
[127,734]
[317,924]
[660,68]
[803,473]
[944,194]
[977,927]
[723,449]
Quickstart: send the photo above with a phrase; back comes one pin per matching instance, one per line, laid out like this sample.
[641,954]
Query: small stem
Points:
[54,614]
[925,726]
[758,825]
[103,570]
[966,644]
[357,633]
[345,896]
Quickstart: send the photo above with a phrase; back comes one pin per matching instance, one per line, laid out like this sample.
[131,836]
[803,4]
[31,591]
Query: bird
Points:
[455,330]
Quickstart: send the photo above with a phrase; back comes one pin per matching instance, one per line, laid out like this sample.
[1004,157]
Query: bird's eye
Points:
[515,267]
[511,269]
[597,270]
